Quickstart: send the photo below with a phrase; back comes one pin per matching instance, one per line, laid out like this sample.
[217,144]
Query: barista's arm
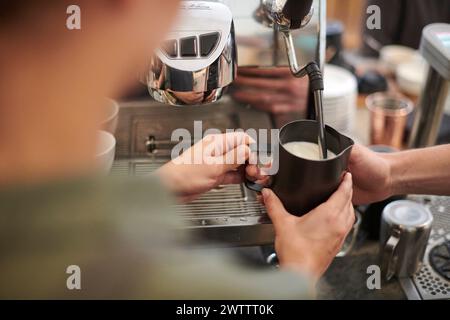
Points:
[125,237]
[423,171]
[378,176]
[305,247]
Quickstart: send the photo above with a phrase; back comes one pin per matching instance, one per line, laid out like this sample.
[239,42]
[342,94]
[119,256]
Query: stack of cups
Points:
[339,98]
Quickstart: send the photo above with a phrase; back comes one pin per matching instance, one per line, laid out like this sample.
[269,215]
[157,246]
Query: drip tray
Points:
[226,216]
[431,283]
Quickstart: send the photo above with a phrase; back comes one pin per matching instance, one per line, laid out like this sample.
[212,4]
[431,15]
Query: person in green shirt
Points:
[56,215]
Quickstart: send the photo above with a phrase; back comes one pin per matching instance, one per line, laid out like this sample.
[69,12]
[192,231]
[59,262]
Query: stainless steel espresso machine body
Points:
[435,48]
[198,61]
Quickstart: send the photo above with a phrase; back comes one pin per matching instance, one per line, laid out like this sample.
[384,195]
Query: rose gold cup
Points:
[388,116]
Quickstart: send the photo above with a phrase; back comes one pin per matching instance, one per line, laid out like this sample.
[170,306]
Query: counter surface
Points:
[347,276]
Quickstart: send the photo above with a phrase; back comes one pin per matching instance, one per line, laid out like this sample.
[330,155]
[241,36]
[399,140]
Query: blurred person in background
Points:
[55,213]
[402,22]
[274,90]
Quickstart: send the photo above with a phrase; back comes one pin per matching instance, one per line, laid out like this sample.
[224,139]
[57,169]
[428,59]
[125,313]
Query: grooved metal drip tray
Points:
[228,215]
[432,282]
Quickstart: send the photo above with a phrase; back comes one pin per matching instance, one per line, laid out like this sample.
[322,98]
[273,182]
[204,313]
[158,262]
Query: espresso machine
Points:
[192,70]
[200,56]
[433,280]
[435,48]
[198,61]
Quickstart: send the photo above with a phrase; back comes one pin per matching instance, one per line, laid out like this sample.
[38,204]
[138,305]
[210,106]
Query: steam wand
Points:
[314,74]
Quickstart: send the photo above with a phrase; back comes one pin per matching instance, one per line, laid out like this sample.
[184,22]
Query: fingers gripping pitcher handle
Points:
[251,184]
[257,187]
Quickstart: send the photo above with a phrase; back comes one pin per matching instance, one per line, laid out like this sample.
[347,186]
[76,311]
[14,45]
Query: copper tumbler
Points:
[388,116]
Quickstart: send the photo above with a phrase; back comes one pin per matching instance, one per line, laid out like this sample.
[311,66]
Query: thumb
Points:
[342,196]
[275,209]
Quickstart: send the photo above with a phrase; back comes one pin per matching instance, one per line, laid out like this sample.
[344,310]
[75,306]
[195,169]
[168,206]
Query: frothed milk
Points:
[306,150]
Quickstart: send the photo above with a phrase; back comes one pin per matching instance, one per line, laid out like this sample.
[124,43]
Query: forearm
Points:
[421,171]
[169,178]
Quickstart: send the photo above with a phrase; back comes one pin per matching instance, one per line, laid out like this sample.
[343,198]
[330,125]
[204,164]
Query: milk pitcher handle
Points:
[253,185]
[258,187]
[389,259]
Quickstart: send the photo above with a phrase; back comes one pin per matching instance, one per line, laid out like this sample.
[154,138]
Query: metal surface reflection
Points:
[200,61]
[290,14]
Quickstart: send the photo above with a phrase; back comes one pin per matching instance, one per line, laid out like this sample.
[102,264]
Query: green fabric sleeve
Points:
[125,238]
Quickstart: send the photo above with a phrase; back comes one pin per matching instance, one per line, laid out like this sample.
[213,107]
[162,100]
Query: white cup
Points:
[106,148]
[110,116]
[394,55]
